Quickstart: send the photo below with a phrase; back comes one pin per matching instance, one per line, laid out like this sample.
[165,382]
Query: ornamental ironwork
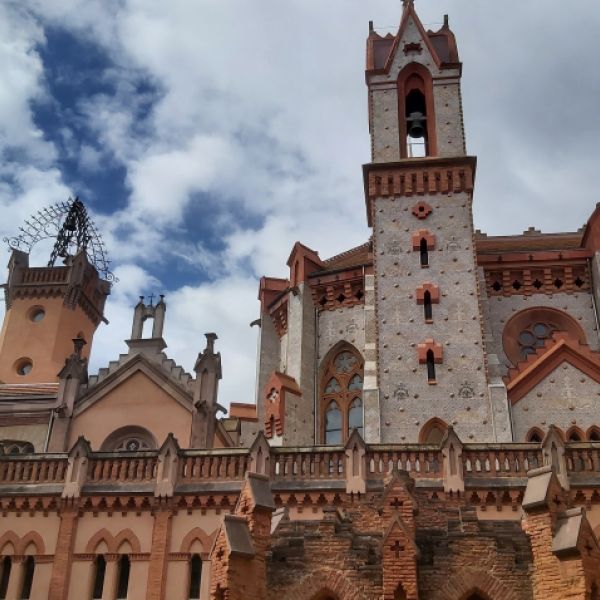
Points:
[69,223]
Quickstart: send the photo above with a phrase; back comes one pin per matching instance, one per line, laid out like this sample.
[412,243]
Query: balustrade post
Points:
[452,469]
[355,467]
[167,468]
[260,455]
[553,452]
[76,475]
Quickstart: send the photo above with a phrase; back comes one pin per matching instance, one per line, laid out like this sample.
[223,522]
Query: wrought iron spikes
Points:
[71,226]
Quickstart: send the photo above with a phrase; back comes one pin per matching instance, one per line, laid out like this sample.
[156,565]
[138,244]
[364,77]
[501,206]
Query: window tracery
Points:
[528,330]
[129,439]
[16,447]
[341,396]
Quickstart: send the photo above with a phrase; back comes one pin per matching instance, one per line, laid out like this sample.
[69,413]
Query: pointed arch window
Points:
[123,577]
[341,395]
[5,576]
[29,569]
[195,577]
[99,574]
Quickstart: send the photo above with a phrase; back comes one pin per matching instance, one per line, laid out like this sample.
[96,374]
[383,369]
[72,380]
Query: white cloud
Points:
[262,107]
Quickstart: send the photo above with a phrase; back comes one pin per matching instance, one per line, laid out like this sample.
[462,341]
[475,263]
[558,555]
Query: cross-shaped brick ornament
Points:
[220,553]
[396,503]
[397,547]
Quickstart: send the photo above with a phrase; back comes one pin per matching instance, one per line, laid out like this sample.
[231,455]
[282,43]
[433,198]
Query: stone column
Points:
[109,591]
[63,554]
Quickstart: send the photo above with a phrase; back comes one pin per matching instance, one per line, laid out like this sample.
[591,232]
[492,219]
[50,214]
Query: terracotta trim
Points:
[419,176]
[586,361]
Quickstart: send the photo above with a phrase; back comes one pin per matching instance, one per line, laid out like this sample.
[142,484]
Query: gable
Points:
[138,399]
[564,389]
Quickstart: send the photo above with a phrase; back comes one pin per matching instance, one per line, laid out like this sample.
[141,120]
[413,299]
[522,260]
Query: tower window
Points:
[36,314]
[99,574]
[24,367]
[427,306]
[430,367]
[424,253]
[416,124]
[195,577]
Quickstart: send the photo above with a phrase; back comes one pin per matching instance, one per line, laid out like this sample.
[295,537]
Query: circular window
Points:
[36,314]
[529,330]
[24,367]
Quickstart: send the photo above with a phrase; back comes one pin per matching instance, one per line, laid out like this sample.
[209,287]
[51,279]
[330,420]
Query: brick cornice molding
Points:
[418,177]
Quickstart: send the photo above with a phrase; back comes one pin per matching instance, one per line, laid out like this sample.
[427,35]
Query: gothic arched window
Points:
[341,395]
[99,574]
[123,577]
[5,576]
[195,577]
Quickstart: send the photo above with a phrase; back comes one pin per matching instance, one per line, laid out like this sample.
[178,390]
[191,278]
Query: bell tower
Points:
[429,356]
[47,307]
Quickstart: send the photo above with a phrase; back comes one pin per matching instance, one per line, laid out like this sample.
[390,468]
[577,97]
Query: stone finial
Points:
[210,342]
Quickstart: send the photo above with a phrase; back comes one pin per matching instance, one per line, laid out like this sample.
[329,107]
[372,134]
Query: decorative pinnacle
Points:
[210,342]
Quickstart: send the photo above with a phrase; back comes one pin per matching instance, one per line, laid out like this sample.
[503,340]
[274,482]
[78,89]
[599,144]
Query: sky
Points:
[207,136]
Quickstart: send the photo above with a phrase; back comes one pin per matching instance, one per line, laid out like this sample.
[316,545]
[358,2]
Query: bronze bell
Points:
[416,124]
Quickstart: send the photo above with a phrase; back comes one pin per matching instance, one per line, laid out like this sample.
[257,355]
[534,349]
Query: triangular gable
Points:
[138,363]
[408,14]
[397,529]
[529,373]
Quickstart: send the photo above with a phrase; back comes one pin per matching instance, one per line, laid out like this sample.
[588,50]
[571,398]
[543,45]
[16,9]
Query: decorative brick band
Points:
[427,176]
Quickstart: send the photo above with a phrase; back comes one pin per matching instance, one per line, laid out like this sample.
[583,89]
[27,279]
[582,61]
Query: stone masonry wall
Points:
[459,396]
[499,310]
[565,398]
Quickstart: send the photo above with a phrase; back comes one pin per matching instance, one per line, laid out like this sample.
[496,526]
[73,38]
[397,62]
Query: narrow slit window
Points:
[5,576]
[99,574]
[27,578]
[427,307]
[195,577]
[424,253]
[123,578]
[430,366]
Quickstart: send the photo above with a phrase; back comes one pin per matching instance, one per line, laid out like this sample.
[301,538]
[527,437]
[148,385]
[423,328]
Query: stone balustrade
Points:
[356,467]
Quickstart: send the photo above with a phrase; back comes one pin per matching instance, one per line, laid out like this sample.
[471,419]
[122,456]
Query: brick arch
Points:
[103,535]
[11,538]
[433,423]
[477,593]
[127,536]
[533,432]
[577,431]
[319,584]
[32,538]
[474,581]
[594,429]
[192,536]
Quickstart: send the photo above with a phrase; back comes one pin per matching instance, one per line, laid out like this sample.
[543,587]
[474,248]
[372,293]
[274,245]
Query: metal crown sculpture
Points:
[74,231]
